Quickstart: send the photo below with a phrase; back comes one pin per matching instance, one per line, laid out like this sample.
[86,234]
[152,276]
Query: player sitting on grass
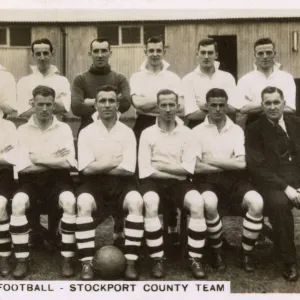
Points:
[107,159]
[165,159]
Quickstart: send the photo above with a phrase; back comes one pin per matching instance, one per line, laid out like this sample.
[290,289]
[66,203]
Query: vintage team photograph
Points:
[151,145]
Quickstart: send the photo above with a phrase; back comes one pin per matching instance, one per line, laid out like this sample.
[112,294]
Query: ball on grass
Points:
[109,262]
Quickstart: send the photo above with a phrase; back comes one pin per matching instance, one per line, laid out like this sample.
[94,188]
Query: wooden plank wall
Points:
[182,40]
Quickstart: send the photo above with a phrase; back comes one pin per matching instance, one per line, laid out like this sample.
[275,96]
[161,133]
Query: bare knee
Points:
[254,203]
[194,202]
[19,204]
[3,210]
[67,202]
[85,204]
[151,202]
[210,205]
[133,202]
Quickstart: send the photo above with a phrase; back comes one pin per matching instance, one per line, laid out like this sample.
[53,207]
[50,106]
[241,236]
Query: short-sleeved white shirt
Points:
[96,143]
[196,84]
[8,137]
[7,89]
[251,85]
[209,142]
[32,140]
[27,84]
[149,84]
[157,145]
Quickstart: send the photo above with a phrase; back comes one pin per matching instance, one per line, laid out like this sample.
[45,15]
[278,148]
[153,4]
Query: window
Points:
[20,36]
[128,34]
[15,36]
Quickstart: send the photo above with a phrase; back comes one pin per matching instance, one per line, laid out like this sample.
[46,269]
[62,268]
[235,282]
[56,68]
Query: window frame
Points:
[8,45]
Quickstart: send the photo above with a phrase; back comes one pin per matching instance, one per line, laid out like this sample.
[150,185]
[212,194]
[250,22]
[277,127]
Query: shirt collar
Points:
[144,64]
[228,123]
[276,66]
[55,122]
[280,121]
[216,65]
[53,70]
[179,124]
[100,124]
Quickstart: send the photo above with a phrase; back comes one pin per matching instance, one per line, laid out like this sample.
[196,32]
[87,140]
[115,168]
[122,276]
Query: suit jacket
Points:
[262,159]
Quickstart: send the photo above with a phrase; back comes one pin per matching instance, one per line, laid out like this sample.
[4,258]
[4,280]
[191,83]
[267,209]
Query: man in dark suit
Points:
[273,158]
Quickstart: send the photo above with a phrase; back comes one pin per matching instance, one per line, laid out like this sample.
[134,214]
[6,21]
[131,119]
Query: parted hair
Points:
[166,92]
[216,93]
[208,41]
[271,90]
[44,91]
[99,40]
[263,41]
[42,41]
[106,88]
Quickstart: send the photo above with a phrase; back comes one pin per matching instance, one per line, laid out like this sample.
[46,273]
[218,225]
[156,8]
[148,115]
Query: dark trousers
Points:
[278,208]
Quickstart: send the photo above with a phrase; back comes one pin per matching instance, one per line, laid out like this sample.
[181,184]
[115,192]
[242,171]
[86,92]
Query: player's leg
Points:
[67,202]
[85,233]
[19,231]
[214,228]
[134,231]
[252,225]
[194,203]
[5,239]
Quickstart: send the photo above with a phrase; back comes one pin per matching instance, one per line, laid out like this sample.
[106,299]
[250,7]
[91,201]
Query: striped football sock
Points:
[214,232]
[67,226]
[196,237]
[154,237]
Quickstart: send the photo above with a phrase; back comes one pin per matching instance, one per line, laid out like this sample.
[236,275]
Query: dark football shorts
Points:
[108,191]
[44,188]
[230,187]
[7,183]
[170,191]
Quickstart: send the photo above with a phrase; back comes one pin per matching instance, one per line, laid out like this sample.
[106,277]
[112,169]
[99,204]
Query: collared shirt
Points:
[8,137]
[33,140]
[149,84]
[196,84]
[281,124]
[95,143]
[209,142]
[7,89]
[157,145]
[27,84]
[251,85]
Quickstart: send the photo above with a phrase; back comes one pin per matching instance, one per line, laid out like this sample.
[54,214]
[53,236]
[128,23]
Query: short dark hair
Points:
[216,93]
[99,40]
[42,41]
[271,90]
[106,88]
[44,91]
[208,41]
[166,92]
[263,41]
[155,39]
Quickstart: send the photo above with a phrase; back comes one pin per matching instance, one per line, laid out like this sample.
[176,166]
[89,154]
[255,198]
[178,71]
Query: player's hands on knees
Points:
[293,195]
[6,149]
[62,152]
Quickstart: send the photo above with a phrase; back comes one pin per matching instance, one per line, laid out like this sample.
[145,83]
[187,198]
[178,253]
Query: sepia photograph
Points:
[149,149]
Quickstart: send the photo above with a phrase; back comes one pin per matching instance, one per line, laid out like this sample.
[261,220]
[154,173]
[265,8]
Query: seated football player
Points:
[165,160]
[220,176]
[107,160]
[8,158]
[46,155]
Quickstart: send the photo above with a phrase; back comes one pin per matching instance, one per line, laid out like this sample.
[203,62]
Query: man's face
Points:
[264,56]
[44,107]
[42,56]
[100,54]
[155,53]
[273,106]
[206,56]
[107,105]
[216,107]
[167,107]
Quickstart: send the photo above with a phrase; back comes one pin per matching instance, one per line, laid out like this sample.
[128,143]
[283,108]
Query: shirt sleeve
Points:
[124,90]
[129,153]
[232,93]
[135,85]
[239,146]
[65,93]
[8,93]
[68,143]
[188,160]
[144,156]
[23,161]
[85,153]
[290,92]
[242,97]
[24,94]
[188,92]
